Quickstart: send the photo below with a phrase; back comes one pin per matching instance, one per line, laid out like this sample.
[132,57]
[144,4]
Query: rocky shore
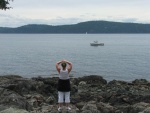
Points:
[90,94]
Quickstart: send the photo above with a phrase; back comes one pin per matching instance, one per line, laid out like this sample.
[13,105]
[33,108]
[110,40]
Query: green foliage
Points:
[91,27]
[4,4]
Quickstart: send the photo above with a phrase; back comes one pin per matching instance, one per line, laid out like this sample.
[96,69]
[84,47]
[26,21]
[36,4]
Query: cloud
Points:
[56,12]
[16,21]
[11,21]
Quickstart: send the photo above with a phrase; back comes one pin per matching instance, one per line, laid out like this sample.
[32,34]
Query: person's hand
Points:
[65,60]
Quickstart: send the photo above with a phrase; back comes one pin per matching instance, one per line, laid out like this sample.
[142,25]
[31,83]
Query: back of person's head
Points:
[63,64]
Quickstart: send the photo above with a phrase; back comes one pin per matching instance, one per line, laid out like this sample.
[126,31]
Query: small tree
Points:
[4,4]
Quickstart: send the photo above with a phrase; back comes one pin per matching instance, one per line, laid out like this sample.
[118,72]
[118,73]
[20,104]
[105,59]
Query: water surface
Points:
[123,57]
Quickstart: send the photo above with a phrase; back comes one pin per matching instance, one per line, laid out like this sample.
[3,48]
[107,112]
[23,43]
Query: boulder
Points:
[90,108]
[11,98]
[14,110]
[105,108]
[139,107]
[147,110]
[93,79]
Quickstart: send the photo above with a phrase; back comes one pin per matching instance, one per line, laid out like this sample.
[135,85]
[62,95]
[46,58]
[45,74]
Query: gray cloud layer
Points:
[56,12]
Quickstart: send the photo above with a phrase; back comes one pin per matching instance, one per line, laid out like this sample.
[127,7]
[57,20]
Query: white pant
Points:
[63,96]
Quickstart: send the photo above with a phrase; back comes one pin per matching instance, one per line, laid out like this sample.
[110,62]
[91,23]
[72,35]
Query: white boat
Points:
[95,43]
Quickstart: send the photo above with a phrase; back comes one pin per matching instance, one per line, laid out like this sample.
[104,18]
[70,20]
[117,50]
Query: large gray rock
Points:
[11,98]
[139,107]
[14,110]
[105,108]
[90,108]
[147,110]
[93,79]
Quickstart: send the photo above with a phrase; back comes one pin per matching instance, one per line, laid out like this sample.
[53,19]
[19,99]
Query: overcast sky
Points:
[58,12]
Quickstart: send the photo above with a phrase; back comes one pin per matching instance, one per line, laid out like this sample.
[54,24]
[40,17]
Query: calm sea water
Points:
[123,57]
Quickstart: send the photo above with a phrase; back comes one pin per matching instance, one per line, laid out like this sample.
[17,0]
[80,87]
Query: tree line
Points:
[91,27]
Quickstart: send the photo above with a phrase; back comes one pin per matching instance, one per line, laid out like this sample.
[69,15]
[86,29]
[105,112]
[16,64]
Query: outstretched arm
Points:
[57,66]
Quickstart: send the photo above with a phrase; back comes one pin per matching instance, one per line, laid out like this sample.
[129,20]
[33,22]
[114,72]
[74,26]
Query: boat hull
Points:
[99,44]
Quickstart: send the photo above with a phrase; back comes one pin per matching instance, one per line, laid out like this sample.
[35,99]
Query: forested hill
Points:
[83,27]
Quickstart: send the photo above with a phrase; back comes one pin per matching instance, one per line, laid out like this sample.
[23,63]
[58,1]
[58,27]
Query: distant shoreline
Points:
[88,27]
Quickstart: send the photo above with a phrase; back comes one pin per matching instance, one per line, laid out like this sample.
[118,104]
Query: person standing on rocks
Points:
[64,67]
